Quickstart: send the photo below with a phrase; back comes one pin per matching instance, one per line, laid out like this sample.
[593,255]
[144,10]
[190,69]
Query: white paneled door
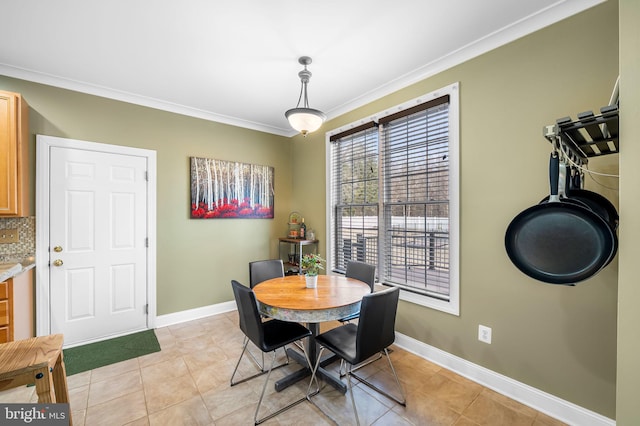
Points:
[97,244]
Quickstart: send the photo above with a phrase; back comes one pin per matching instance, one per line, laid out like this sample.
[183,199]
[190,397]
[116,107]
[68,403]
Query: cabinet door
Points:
[8,151]
[22,307]
[4,312]
[14,133]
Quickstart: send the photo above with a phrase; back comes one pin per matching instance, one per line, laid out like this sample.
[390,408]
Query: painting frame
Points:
[222,189]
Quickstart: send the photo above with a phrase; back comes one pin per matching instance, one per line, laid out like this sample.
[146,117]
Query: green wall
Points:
[196,258]
[559,339]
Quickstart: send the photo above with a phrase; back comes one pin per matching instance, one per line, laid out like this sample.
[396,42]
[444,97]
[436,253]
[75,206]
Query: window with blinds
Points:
[355,190]
[415,149]
[391,198]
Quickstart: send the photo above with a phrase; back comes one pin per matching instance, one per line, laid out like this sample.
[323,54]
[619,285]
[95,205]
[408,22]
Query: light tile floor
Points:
[187,383]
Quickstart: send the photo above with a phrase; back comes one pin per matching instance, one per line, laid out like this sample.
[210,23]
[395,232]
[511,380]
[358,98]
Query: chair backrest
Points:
[361,271]
[250,322]
[262,270]
[376,326]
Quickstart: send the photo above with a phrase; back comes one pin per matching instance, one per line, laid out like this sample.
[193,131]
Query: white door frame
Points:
[43,148]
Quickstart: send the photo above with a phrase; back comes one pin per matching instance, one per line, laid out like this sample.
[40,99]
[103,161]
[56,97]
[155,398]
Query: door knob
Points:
[57,249]
[57,262]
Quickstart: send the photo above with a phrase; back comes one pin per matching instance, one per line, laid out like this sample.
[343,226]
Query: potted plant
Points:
[311,264]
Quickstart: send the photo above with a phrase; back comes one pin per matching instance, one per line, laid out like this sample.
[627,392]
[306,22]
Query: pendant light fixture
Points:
[305,119]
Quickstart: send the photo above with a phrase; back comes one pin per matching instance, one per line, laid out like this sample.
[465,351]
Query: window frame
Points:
[451,306]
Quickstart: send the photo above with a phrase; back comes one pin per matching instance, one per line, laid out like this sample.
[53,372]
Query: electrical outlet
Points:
[9,236]
[484,334]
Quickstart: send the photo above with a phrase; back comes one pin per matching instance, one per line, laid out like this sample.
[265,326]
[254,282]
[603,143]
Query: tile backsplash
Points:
[26,246]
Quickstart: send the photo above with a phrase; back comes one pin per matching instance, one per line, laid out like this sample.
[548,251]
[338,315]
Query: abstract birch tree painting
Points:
[227,189]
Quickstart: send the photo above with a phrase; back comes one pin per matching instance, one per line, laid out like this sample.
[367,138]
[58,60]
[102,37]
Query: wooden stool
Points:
[36,360]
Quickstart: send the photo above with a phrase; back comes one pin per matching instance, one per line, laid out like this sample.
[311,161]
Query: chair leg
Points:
[349,387]
[244,348]
[317,391]
[402,401]
[264,388]
[343,372]
[260,373]
[353,400]
[260,366]
[313,376]
[262,370]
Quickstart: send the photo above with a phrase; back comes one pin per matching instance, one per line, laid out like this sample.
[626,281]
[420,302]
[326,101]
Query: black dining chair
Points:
[366,273]
[262,270]
[267,336]
[355,344]
[259,271]
[361,271]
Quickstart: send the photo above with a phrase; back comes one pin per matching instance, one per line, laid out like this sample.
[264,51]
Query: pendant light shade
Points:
[302,118]
[305,120]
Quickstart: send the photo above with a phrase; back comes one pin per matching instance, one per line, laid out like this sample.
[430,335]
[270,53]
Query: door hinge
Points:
[146,242]
[146,176]
[146,308]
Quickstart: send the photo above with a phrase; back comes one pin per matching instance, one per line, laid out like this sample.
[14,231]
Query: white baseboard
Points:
[553,406]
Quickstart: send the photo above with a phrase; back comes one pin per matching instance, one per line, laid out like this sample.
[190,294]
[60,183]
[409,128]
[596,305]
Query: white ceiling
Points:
[236,61]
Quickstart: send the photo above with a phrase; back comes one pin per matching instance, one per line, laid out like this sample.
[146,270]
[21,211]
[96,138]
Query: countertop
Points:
[13,267]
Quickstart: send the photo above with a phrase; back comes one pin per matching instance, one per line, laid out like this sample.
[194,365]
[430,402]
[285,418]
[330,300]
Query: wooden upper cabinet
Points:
[14,142]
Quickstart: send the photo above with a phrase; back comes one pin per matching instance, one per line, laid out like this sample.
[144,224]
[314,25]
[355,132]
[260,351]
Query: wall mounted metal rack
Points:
[589,136]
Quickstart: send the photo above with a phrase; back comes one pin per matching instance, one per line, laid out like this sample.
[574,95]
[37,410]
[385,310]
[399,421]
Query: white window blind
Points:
[416,199]
[355,201]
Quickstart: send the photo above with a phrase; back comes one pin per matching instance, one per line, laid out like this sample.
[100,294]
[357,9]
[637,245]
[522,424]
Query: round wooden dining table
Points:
[288,299]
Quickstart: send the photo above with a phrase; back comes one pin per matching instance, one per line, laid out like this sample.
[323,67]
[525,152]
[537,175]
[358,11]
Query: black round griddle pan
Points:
[559,242]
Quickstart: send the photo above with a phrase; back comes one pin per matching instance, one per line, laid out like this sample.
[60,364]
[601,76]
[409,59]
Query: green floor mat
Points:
[99,354]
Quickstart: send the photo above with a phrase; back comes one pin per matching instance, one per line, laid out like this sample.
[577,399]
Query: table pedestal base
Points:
[306,372]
